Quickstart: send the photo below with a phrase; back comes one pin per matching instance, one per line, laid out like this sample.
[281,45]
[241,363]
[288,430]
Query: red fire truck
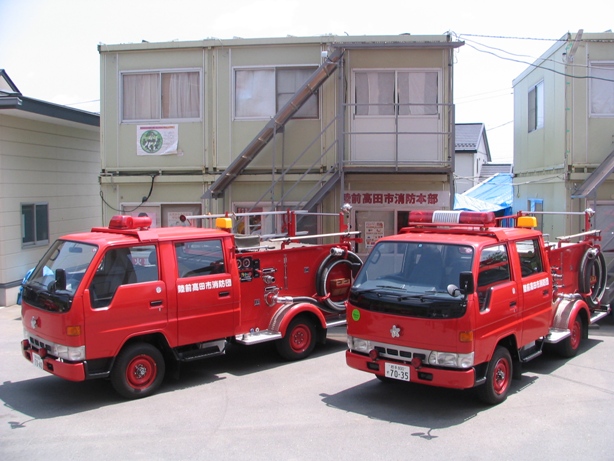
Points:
[128,301]
[455,300]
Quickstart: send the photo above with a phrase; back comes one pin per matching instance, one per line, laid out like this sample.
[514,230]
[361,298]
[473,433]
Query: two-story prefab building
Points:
[564,133]
[240,125]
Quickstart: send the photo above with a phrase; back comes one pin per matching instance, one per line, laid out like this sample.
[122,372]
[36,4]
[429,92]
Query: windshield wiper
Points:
[377,288]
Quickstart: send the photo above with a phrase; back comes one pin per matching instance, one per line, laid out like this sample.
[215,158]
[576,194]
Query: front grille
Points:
[39,344]
[399,352]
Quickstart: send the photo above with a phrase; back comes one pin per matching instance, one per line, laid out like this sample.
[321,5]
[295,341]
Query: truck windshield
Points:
[411,278]
[57,276]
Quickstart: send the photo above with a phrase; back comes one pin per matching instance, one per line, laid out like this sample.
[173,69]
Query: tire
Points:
[299,341]
[498,377]
[138,371]
[569,346]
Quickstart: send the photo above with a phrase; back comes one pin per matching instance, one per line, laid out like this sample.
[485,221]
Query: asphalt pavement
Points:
[252,405]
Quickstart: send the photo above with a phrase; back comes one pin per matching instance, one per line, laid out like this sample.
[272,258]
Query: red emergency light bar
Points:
[120,222]
[468,218]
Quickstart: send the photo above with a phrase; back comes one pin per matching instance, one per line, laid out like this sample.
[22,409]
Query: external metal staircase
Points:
[329,177]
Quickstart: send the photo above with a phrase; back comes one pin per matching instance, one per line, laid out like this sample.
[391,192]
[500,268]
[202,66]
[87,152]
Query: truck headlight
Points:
[450,359]
[359,345]
[73,354]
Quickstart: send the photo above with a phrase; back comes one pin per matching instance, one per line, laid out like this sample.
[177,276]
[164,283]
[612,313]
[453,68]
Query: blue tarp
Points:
[495,194]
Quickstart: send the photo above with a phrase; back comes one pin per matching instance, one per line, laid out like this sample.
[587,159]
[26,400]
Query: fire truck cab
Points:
[456,301]
[128,301]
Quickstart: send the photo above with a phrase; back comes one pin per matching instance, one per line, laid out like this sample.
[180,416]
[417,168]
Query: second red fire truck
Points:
[454,300]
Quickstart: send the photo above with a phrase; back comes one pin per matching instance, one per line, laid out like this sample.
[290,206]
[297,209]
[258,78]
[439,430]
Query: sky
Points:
[49,47]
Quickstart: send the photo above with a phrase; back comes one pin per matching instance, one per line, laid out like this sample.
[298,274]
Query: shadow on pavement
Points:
[415,404]
[435,408]
[49,396]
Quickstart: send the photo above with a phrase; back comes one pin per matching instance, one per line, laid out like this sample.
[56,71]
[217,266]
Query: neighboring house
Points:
[270,124]
[492,168]
[564,134]
[472,153]
[49,168]
[495,194]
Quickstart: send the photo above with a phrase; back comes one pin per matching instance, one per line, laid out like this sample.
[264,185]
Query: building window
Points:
[602,89]
[156,96]
[260,93]
[537,205]
[269,221]
[536,107]
[34,224]
[393,92]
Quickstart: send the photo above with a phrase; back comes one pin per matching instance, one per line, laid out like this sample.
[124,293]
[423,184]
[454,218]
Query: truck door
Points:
[536,301]
[125,296]
[207,299]
[498,296]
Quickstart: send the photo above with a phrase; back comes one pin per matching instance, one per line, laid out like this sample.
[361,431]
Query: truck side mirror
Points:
[60,279]
[465,280]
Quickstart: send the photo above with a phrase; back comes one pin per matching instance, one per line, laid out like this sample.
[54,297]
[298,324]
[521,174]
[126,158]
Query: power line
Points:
[500,126]
[510,38]
[542,61]
[82,102]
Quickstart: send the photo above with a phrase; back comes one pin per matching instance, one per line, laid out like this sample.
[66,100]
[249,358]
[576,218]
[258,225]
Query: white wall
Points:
[44,162]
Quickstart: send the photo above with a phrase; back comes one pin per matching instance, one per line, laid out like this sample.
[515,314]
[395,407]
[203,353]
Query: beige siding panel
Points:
[397,59]
[121,139]
[276,55]
[44,162]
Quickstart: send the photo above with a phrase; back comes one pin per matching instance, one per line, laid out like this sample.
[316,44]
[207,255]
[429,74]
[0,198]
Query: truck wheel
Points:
[299,341]
[569,346]
[138,371]
[498,377]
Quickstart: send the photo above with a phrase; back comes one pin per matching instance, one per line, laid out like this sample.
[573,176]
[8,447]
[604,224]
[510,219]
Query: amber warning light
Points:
[130,222]
[470,218]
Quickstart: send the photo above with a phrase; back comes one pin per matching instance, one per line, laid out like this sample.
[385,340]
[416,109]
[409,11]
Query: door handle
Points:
[513,304]
[155,303]
[224,293]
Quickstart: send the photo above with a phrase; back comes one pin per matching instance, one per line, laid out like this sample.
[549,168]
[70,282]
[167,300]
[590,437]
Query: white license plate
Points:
[37,360]
[394,371]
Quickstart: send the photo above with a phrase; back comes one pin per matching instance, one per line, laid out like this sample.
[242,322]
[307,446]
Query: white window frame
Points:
[158,88]
[396,105]
[537,204]
[270,224]
[535,107]
[264,90]
[36,226]
[601,89]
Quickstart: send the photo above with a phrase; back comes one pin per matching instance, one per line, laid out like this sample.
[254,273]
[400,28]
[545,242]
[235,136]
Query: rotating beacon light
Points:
[469,218]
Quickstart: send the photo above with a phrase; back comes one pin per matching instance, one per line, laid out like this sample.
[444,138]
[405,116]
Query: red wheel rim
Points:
[576,334]
[141,372]
[501,376]
[300,338]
